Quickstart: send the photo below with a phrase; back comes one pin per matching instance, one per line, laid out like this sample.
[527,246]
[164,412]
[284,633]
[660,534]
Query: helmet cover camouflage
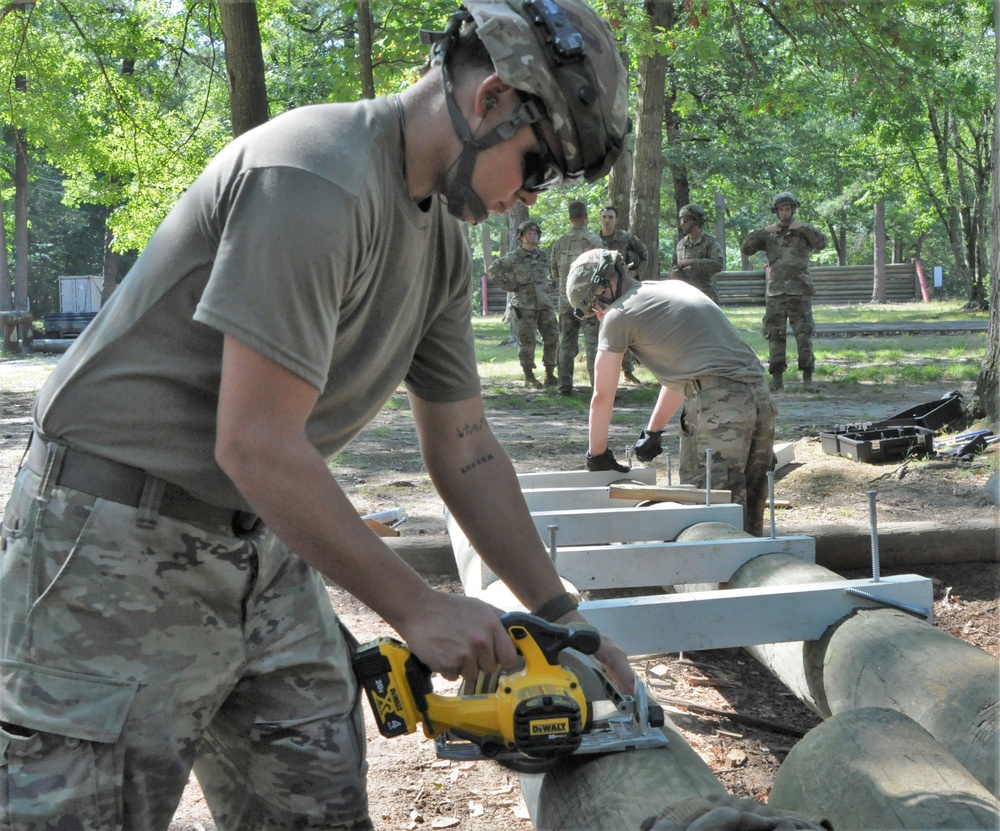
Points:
[528,223]
[783,198]
[563,53]
[696,212]
[589,276]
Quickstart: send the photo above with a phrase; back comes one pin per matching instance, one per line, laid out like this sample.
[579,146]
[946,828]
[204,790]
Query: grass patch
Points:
[895,359]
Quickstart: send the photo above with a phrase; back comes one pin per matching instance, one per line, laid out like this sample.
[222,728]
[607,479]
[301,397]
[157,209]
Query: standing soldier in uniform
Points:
[698,256]
[636,257]
[524,273]
[692,349]
[564,251]
[788,244]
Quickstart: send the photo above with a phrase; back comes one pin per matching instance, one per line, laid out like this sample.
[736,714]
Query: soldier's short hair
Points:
[577,210]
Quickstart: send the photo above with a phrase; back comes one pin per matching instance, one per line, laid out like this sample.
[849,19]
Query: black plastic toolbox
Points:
[881,444]
[933,415]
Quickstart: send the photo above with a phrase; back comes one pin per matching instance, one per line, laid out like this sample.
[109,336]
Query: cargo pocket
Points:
[58,751]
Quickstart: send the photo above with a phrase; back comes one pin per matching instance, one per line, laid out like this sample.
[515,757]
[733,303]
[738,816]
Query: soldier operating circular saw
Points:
[558,702]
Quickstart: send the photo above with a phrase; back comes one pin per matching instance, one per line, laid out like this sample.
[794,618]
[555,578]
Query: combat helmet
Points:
[696,212]
[524,226]
[590,275]
[558,53]
[783,198]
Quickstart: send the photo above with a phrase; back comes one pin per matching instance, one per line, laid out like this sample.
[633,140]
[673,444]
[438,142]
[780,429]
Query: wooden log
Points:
[873,767]
[888,658]
[12,318]
[619,790]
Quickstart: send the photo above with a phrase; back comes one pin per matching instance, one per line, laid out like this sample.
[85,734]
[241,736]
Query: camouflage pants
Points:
[795,309]
[569,345]
[130,653]
[526,322]
[737,422]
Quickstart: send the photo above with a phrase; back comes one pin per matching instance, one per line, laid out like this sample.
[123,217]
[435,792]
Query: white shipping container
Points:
[80,294]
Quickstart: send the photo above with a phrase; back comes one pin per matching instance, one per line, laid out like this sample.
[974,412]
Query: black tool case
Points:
[880,444]
[933,415]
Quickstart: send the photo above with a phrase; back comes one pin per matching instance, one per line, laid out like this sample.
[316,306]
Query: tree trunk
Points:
[620,177]
[21,229]
[645,202]
[620,182]
[110,267]
[244,65]
[873,767]
[365,48]
[7,332]
[985,403]
[878,289]
[720,223]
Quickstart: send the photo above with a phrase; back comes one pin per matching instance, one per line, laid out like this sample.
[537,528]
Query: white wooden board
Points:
[667,564]
[570,499]
[584,478]
[728,619]
[655,523]
[743,617]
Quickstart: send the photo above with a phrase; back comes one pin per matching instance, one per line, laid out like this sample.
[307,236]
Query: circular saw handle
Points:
[550,638]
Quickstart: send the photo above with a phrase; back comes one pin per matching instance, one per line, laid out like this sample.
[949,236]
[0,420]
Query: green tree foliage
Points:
[845,102]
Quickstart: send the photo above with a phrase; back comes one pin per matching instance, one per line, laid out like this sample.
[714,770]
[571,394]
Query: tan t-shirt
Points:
[678,334]
[300,241]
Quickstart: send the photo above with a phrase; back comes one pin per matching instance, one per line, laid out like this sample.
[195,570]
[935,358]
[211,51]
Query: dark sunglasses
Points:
[540,169]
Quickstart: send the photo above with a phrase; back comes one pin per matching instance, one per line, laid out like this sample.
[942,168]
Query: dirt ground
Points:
[411,789]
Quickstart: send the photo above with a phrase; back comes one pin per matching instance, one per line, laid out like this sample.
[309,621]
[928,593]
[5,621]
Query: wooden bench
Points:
[834,284]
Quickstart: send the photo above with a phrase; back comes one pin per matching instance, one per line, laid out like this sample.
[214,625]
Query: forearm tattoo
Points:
[470,429]
[476,463]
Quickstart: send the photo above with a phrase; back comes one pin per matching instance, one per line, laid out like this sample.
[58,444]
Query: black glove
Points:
[648,446]
[605,461]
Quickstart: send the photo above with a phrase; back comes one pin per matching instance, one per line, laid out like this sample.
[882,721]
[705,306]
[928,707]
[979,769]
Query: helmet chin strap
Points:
[461,195]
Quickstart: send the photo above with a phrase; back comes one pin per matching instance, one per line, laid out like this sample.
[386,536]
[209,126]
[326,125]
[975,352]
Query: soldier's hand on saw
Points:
[457,636]
[648,447]
[605,461]
[612,658]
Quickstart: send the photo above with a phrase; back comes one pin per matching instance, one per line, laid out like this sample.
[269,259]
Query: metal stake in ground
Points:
[708,475]
[876,572]
[770,498]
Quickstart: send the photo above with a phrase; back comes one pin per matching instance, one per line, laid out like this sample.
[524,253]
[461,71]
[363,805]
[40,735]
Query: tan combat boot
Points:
[777,382]
[550,377]
[530,380]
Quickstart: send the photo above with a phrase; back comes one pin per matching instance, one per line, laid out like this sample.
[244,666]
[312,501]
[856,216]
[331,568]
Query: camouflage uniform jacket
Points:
[564,251]
[705,256]
[631,248]
[788,252]
[525,274]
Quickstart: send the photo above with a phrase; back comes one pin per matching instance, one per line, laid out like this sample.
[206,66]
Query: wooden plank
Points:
[665,493]
[584,478]
[666,564]
[732,618]
[655,523]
